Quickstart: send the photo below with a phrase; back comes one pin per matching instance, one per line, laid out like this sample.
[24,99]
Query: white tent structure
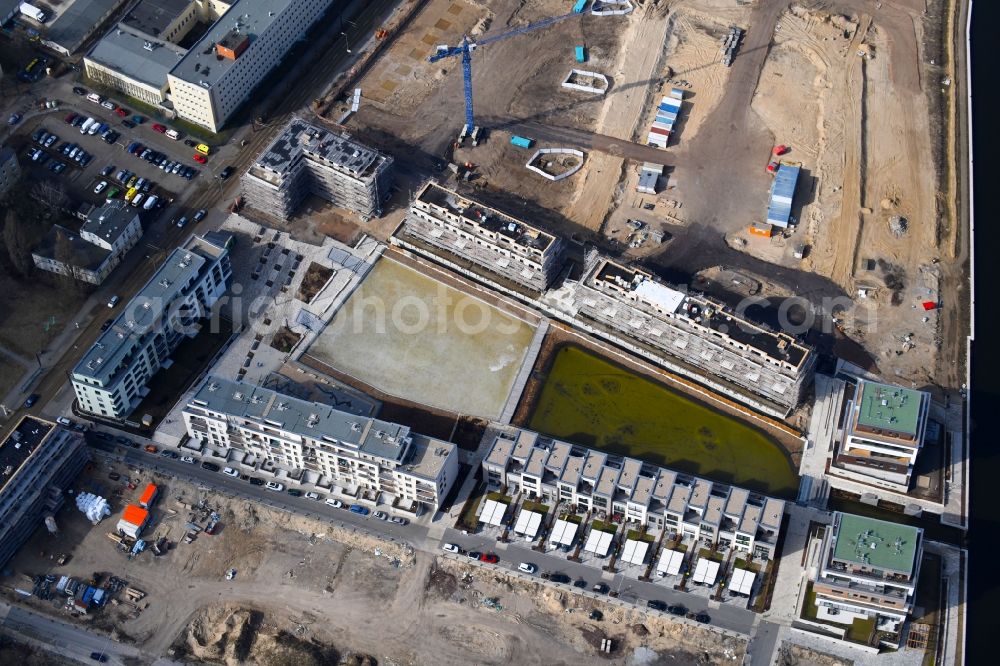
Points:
[528,523]
[669,563]
[493,512]
[599,543]
[742,581]
[563,533]
[706,571]
[635,551]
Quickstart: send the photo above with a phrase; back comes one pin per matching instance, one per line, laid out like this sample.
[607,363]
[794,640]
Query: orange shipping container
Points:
[135,515]
[148,496]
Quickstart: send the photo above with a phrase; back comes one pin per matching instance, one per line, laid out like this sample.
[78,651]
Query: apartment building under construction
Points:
[307,159]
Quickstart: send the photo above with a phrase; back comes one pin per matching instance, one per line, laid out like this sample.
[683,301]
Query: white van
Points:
[137,199]
[86,125]
[95,98]
[150,202]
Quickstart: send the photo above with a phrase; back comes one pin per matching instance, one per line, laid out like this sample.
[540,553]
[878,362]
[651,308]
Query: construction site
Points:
[825,85]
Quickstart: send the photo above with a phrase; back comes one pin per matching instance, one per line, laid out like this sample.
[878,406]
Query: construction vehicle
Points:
[465,50]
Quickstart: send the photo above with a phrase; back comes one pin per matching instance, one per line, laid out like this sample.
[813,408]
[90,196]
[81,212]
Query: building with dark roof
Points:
[67,33]
[353,451]
[38,462]
[107,234]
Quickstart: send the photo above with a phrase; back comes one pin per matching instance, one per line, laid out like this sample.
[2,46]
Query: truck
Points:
[33,12]
[173,134]
[521,142]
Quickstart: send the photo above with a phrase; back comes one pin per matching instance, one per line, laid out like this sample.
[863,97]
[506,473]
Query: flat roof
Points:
[779,210]
[480,215]
[876,543]
[564,532]
[492,513]
[110,221]
[536,462]
[890,408]
[427,456]
[19,444]
[321,146]
[252,17]
[124,50]
[500,451]
[80,19]
[82,254]
[104,358]
[154,16]
[313,420]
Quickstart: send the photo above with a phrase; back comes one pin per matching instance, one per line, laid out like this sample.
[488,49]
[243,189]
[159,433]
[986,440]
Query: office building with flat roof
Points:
[472,237]
[38,462]
[219,72]
[869,569]
[107,234]
[884,431]
[307,159]
[110,379]
[357,453]
[715,514]
[695,336]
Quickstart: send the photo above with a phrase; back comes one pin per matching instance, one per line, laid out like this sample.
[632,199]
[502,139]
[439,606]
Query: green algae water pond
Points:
[592,402]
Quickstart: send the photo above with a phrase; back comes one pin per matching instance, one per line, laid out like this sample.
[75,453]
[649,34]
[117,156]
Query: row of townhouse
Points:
[713,513]
[344,449]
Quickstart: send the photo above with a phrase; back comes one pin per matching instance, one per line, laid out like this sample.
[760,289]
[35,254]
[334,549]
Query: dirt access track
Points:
[306,592]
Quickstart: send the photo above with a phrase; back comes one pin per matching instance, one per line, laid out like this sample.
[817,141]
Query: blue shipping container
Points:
[521,142]
[578,6]
[581,54]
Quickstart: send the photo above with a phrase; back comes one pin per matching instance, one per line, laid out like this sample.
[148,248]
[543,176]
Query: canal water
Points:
[590,401]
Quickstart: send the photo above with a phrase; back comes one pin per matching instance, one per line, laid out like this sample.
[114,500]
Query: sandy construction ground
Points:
[309,593]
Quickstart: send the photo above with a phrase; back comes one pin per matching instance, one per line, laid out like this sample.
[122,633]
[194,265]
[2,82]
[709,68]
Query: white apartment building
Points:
[307,159]
[869,569]
[694,336]
[241,48]
[354,452]
[107,234]
[110,379]
[712,513]
[885,429]
[470,236]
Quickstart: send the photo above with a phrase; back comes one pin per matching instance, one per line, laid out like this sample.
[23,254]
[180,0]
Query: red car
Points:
[121,112]
[781,150]
[157,127]
[199,158]
[489,558]
[70,118]
[772,168]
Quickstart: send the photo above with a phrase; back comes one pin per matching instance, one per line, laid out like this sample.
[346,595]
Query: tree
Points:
[15,237]
[52,195]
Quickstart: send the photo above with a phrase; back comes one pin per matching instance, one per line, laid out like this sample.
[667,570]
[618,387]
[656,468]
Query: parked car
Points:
[451,548]
[181,222]
[231,574]
[211,467]
[77,90]
[381,515]
[107,324]
[677,610]
[399,520]
[57,167]
[157,127]
[229,471]
[187,459]
[113,301]
[109,105]
[226,173]
[200,159]
[474,555]
[254,481]
[50,139]
[703,618]
[295,492]
[656,604]
[313,496]
[335,503]
[129,124]
[199,215]
[601,588]
[189,142]
[70,118]
[63,421]
[489,558]
[100,187]
[559,578]
[151,449]
[527,567]
[166,453]
[99,657]
[581,583]
[360,510]
[32,399]
[107,171]
[120,112]
[275,486]
[14,119]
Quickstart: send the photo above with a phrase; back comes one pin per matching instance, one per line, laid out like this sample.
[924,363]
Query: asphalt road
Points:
[417,534]
[67,639]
